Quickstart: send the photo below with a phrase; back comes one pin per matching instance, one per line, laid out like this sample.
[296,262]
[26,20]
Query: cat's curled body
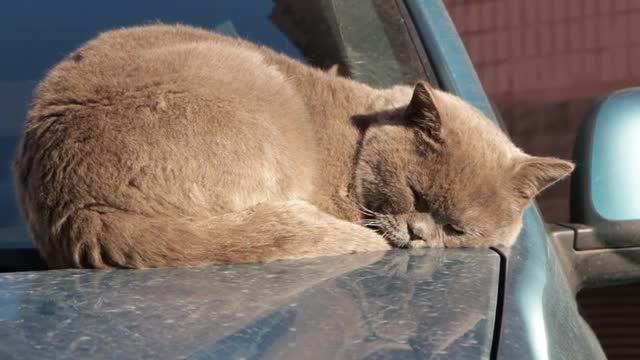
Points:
[171,145]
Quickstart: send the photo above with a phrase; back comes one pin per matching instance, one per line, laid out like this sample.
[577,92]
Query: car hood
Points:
[399,304]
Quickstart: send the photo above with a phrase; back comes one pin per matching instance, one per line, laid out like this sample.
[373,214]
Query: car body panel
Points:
[539,313]
[398,304]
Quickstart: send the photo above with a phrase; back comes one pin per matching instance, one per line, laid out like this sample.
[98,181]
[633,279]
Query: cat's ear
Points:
[534,174]
[422,112]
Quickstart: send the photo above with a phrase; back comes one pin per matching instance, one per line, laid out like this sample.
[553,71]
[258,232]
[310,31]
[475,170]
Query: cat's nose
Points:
[415,232]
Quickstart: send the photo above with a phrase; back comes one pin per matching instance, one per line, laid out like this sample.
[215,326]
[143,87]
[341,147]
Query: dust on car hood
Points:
[399,304]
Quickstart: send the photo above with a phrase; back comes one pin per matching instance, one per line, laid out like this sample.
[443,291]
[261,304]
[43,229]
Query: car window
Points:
[369,40]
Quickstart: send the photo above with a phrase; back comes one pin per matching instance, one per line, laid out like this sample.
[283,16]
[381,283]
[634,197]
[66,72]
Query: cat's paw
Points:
[400,243]
[417,244]
[368,241]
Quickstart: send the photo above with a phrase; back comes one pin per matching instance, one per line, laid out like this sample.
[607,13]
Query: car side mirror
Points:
[605,189]
[601,245]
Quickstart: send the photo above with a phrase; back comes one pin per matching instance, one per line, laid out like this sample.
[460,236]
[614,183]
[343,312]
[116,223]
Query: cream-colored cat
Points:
[170,145]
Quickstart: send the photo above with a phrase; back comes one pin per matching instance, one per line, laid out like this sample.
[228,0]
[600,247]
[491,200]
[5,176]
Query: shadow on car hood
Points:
[399,304]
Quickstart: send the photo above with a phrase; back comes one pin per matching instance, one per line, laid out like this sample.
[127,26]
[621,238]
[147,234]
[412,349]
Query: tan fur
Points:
[170,145]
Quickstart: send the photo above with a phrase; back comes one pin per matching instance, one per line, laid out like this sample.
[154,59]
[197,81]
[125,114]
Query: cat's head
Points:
[437,172]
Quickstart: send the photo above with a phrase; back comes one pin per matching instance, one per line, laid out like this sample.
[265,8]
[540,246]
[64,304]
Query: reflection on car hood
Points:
[399,304]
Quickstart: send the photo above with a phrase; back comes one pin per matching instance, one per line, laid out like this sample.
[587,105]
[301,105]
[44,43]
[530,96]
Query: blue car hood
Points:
[399,304]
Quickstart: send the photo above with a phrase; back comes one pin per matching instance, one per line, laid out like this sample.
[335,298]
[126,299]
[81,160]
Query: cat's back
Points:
[175,58]
[165,114]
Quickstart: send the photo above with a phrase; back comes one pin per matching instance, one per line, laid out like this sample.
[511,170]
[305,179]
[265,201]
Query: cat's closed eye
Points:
[453,229]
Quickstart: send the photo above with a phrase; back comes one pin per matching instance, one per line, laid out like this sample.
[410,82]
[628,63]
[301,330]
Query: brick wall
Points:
[545,62]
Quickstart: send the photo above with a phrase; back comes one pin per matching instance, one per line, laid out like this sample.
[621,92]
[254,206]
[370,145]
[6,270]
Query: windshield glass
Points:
[367,39]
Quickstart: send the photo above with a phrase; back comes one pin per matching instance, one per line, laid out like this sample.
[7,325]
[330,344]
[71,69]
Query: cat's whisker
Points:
[366,210]
[371,221]
[367,213]
[372,224]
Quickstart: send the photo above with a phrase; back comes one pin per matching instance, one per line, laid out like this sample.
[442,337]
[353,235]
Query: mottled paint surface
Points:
[400,304]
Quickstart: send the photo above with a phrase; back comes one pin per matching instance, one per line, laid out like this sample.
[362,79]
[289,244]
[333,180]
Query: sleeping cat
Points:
[171,145]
